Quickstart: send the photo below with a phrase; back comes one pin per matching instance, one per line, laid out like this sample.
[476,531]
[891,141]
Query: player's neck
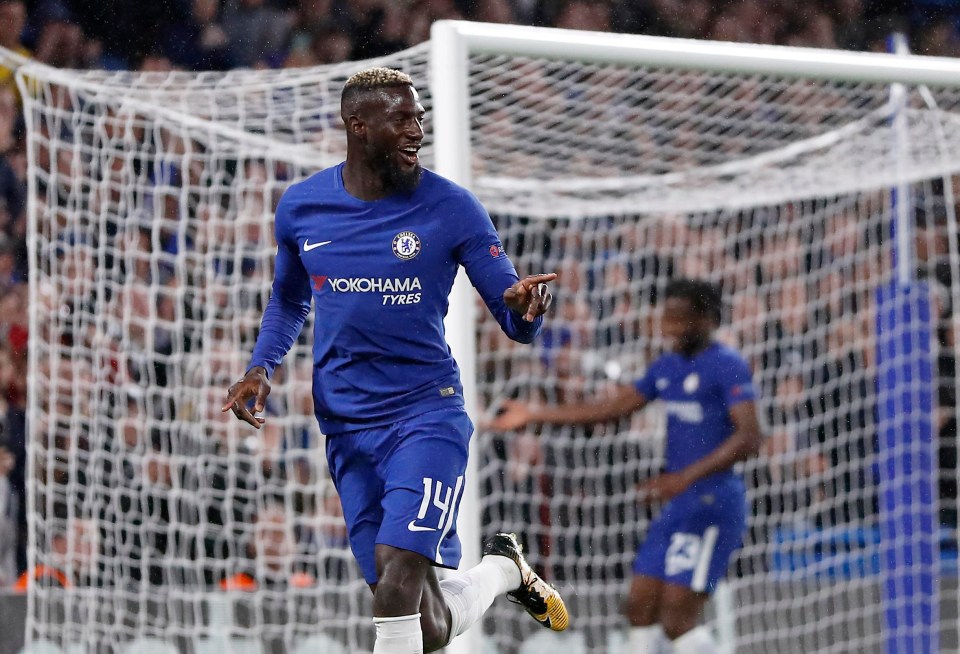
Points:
[363,183]
[693,349]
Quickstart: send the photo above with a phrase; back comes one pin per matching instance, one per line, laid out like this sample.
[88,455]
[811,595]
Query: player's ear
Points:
[356,126]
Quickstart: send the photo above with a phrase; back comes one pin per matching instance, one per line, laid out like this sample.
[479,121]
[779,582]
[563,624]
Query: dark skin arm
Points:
[530,297]
[254,384]
[622,402]
[743,444]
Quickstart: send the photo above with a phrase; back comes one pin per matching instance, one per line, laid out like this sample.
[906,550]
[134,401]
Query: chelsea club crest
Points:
[406,245]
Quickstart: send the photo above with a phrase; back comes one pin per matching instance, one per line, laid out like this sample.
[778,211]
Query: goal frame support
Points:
[452,42]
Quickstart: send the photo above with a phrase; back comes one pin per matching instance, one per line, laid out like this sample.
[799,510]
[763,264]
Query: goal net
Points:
[151,243]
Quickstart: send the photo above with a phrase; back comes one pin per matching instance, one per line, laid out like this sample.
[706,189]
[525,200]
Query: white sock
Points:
[509,571]
[645,640]
[400,635]
[468,594]
[698,640]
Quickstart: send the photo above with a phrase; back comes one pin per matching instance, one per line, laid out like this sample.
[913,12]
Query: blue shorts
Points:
[690,543]
[401,485]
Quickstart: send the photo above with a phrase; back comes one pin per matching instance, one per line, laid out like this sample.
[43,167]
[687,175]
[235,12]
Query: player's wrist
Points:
[256,370]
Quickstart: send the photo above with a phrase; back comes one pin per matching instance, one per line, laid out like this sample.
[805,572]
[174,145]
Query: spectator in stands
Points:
[574,321]
[422,14]
[62,43]
[939,38]
[278,565]
[13,341]
[843,420]
[68,558]
[391,32]
[749,325]
[850,29]
[493,11]
[947,412]
[728,26]
[332,529]
[680,18]
[706,254]
[620,321]
[9,275]
[790,479]
[9,110]
[321,44]
[273,560]
[310,13]
[198,42]
[792,342]
[782,256]
[13,18]
[591,15]
[256,32]
[154,62]
[814,30]
[9,512]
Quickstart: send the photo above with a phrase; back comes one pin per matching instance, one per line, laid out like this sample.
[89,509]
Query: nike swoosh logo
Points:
[413,526]
[307,245]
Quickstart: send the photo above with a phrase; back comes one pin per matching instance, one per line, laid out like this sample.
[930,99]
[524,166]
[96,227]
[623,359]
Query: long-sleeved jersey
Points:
[380,274]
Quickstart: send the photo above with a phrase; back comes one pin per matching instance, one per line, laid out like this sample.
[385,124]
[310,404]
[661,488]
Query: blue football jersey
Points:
[379,274]
[697,394]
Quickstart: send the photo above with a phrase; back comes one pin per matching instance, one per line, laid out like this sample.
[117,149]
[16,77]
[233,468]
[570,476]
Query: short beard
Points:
[393,176]
[404,180]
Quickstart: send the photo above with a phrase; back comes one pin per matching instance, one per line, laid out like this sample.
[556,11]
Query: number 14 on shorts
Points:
[443,497]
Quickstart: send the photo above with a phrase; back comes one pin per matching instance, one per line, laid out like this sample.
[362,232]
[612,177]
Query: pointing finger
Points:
[538,279]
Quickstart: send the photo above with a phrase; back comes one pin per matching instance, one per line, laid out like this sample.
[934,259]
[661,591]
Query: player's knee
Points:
[435,620]
[401,581]
[676,622]
[436,632]
[640,611]
[676,630]
[642,606]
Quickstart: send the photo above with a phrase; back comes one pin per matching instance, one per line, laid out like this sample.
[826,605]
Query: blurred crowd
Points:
[226,34]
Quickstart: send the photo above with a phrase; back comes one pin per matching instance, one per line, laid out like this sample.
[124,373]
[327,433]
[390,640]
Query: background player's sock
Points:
[468,594]
[696,641]
[400,635]
[645,640]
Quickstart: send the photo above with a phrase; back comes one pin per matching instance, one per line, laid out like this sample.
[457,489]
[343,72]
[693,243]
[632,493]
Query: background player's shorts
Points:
[401,485]
[691,541]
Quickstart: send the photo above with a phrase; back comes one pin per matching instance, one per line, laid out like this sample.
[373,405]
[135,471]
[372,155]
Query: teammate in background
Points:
[711,424]
[376,242]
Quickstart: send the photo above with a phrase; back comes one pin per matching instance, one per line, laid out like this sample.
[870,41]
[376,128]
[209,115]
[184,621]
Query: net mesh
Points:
[152,241]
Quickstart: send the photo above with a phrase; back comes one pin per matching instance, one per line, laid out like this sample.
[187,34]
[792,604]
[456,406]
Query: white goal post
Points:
[794,178]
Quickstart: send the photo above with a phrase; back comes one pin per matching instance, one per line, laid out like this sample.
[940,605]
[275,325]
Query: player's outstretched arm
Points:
[622,402]
[254,384]
[530,297]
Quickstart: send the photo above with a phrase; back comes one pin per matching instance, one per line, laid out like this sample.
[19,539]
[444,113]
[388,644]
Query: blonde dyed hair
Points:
[377,78]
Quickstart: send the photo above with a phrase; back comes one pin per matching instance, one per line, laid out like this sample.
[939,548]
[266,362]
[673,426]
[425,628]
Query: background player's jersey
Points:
[380,273]
[697,394]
